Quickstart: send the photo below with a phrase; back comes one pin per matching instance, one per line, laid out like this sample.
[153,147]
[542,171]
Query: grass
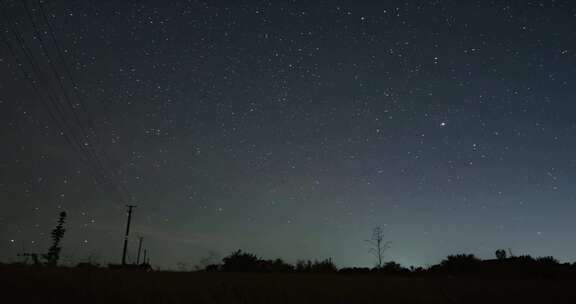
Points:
[61,285]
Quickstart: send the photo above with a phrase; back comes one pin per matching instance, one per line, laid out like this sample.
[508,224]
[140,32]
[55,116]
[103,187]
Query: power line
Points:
[56,111]
[35,69]
[102,163]
[52,115]
[86,140]
[55,71]
[36,88]
[66,69]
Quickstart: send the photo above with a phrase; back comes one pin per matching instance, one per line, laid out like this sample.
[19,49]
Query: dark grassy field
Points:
[29,285]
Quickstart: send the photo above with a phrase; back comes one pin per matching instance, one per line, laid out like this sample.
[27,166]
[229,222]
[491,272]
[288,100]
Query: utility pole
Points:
[139,250]
[145,252]
[130,207]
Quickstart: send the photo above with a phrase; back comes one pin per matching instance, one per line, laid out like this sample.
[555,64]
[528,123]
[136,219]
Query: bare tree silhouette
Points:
[377,245]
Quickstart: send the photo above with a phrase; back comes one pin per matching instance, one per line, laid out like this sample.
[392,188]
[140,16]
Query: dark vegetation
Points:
[243,277]
[459,265]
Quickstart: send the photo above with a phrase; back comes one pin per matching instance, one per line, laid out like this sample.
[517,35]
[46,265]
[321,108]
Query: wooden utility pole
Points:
[130,207]
[139,250]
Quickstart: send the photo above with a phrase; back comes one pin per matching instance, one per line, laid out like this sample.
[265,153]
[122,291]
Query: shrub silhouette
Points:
[500,254]
[308,266]
[548,261]
[355,270]
[458,264]
[212,268]
[86,265]
[240,261]
[393,267]
[278,265]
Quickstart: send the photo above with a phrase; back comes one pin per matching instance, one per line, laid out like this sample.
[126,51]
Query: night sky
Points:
[289,128]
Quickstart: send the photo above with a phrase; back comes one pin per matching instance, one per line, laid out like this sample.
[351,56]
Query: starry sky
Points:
[288,128]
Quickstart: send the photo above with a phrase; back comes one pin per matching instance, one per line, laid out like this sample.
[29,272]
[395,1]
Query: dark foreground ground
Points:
[28,285]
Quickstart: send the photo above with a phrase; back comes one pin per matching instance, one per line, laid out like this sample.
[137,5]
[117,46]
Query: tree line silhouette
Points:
[240,261]
[459,265]
[452,265]
[504,264]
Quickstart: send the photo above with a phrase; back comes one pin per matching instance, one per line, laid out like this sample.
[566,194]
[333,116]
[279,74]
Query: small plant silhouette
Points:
[53,254]
[500,254]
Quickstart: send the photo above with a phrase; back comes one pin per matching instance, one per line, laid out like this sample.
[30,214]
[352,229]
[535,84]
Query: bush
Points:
[323,266]
[240,261]
[458,264]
